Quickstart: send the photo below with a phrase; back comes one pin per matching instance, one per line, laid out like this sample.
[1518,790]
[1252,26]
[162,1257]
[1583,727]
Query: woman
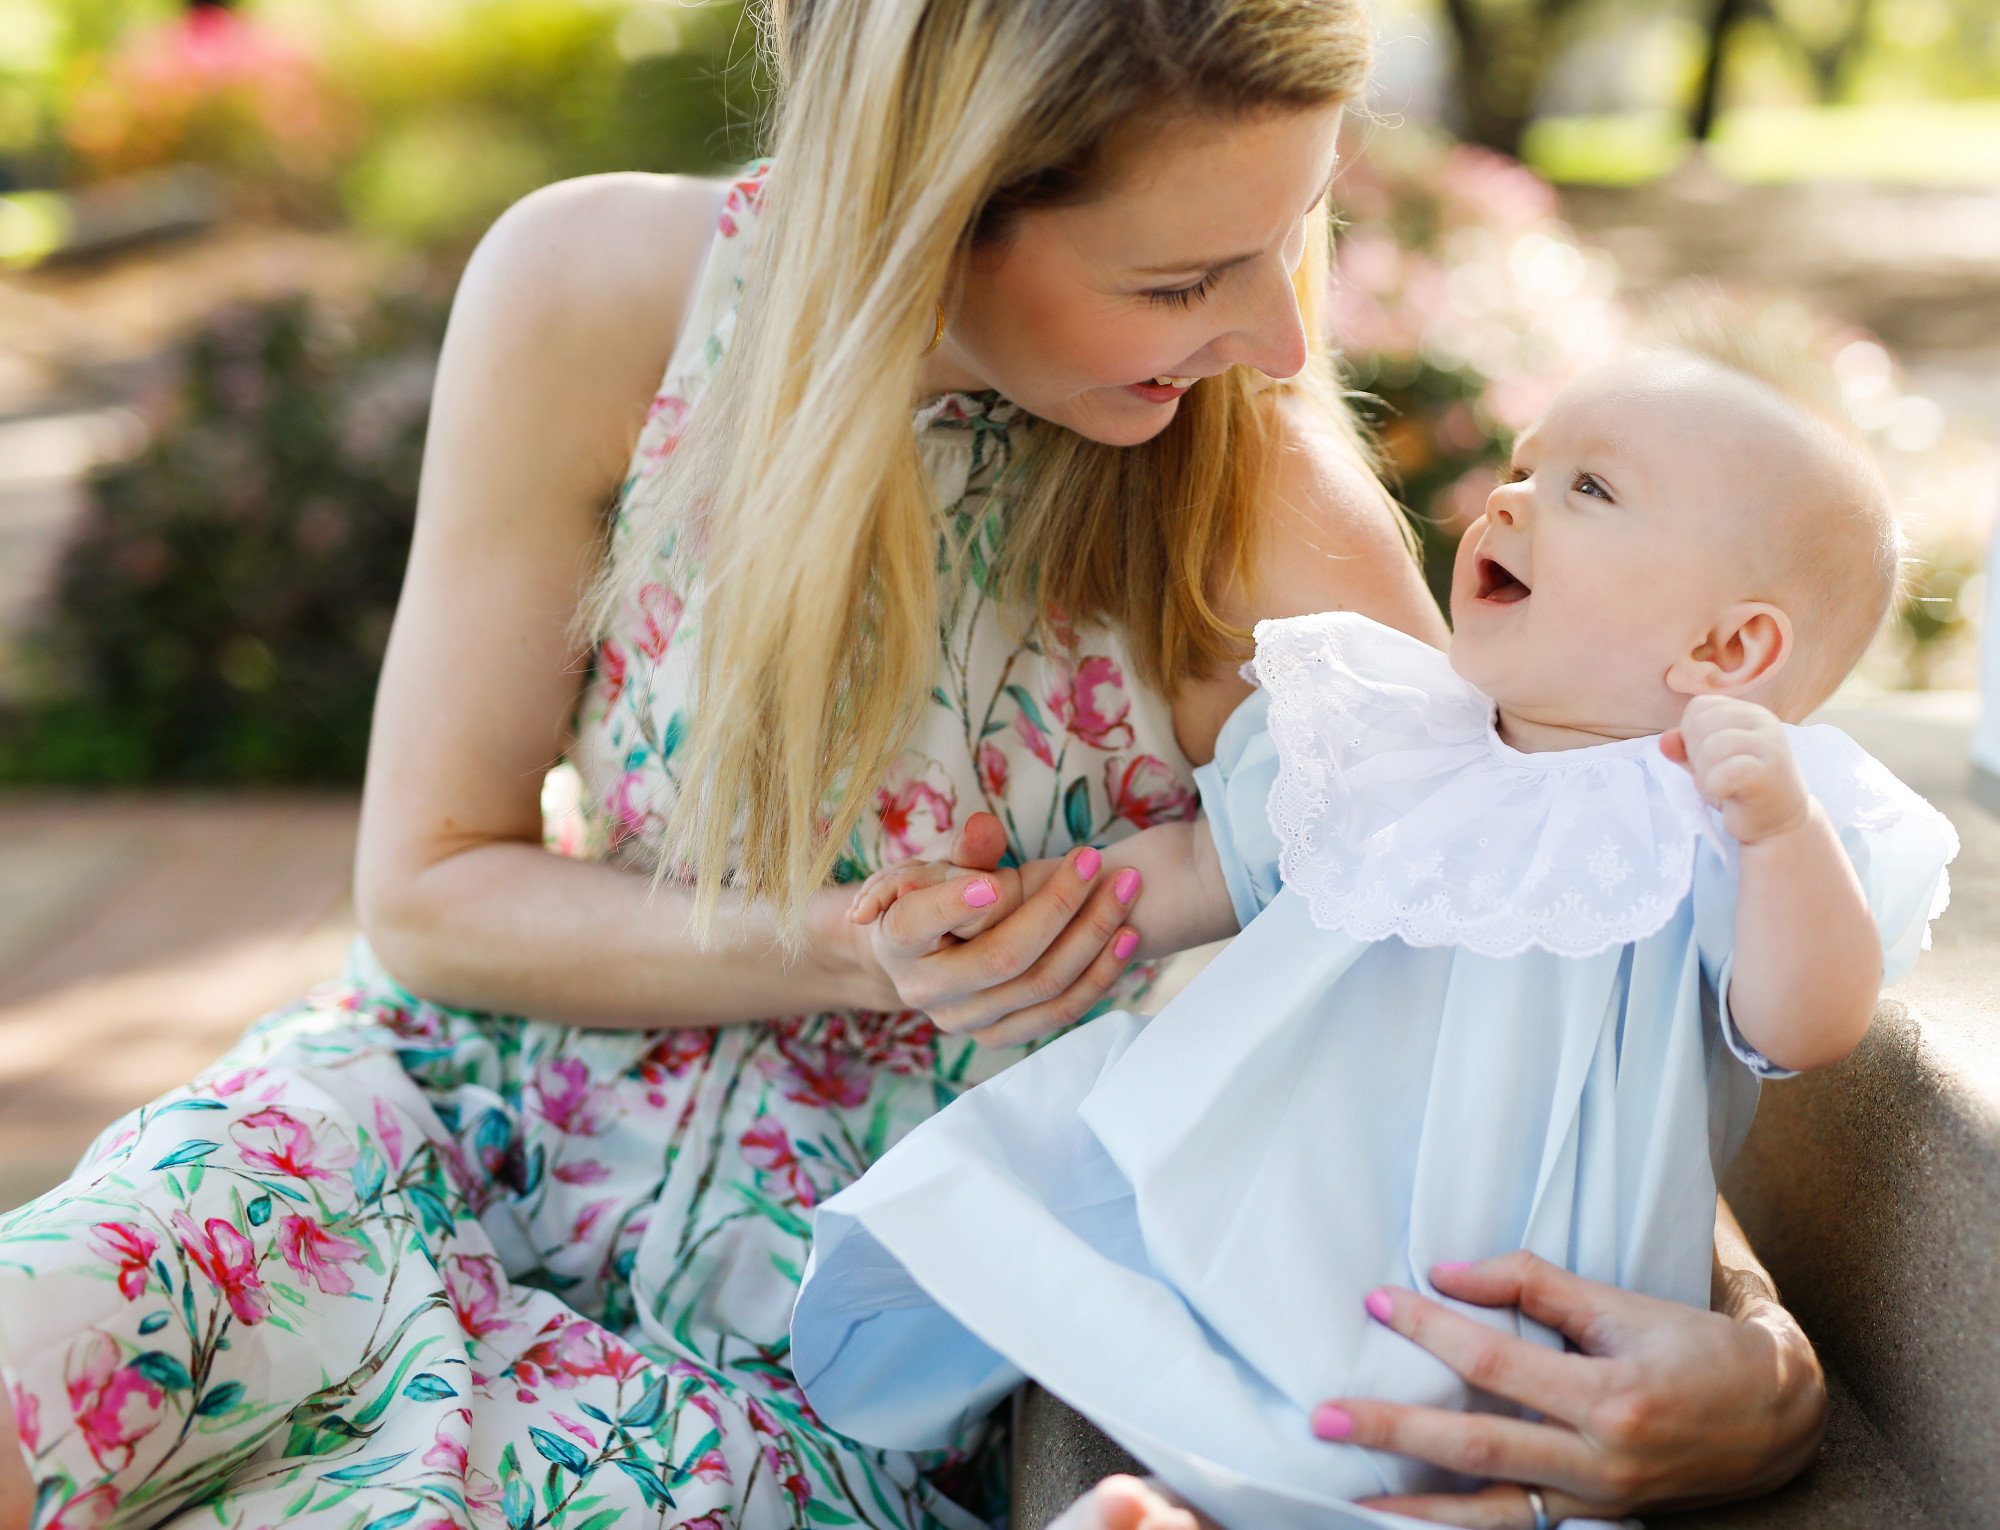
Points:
[406,1259]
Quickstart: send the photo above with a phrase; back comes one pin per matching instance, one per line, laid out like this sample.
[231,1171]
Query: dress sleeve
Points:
[1235,790]
[1898,843]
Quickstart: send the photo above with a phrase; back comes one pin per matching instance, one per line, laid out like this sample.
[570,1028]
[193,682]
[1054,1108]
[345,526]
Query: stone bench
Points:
[1872,1192]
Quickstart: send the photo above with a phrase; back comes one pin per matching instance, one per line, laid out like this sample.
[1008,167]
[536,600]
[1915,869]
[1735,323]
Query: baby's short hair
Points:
[1838,567]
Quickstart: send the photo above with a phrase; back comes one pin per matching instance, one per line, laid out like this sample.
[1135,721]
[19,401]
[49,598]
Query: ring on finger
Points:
[1539,1506]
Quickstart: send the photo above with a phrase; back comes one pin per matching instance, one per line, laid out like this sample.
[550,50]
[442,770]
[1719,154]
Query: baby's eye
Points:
[1586,484]
[1515,475]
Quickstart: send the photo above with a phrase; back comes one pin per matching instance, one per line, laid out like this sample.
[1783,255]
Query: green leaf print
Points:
[673,735]
[1076,810]
[1027,704]
[153,1322]
[191,1151]
[363,1471]
[162,1369]
[560,1451]
[428,1388]
[784,1216]
[190,1105]
[651,1483]
[518,1504]
[368,1173]
[259,1211]
[650,1407]
[392,1521]
[430,1206]
[219,1400]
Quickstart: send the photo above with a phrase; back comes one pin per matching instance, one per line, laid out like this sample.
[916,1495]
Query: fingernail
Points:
[1453,1266]
[1381,1305]
[1087,862]
[1126,888]
[1331,1422]
[980,894]
[1125,945]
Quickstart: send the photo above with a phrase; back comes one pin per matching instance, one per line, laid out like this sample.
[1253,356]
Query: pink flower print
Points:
[586,1172]
[279,1142]
[674,1053]
[611,665]
[818,1074]
[390,1131]
[27,1417]
[628,806]
[709,1521]
[241,1080]
[568,1351]
[571,1426]
[564,1096]
[1093,705]
[587,1220]
[745,196]
[318,1254]
[133,1248]
[665,421]
[992,771]
[229,1260]
[768,1149]
[474,1283]
[115,1406]
[659,619]
[1146,792]
[454,1435]
[916,805]
[87,1511]
[1033,736]
[713,1466]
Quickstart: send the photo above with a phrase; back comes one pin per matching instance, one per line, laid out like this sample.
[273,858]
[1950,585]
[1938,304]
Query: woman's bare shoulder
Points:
[1330,537]
[583,286]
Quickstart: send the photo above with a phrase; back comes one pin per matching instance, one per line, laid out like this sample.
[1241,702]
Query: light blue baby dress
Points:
[1474,1008]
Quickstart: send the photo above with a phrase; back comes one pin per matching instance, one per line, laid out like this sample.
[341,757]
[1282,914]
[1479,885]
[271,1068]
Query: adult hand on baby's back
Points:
[1044,948]
[1666,1405]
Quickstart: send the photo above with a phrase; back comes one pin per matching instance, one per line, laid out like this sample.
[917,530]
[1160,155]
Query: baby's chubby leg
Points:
[1126,1503]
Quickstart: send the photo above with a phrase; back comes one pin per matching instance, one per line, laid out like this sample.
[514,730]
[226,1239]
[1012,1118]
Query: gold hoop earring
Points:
[937,335]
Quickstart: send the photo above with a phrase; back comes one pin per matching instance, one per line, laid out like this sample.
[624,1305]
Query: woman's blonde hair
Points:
[909,132]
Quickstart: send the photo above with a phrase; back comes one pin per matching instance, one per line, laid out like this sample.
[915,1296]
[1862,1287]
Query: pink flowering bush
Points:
[1460,304]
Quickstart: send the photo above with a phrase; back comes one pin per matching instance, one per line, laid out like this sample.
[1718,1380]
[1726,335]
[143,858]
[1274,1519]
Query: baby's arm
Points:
[1186,904]
[1808,964]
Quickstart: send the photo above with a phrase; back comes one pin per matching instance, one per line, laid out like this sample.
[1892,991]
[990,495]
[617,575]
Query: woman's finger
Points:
[917,921]
[1096,932]
[1559,1385]
[1112,962]
[1475,1444]
[950,983]
[1500,1506]
[1590,1314]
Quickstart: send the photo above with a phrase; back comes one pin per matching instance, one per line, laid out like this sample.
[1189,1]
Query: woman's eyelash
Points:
[1183,297]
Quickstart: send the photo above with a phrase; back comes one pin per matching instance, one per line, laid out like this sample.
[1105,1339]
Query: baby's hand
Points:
[1742,763]
[989,896]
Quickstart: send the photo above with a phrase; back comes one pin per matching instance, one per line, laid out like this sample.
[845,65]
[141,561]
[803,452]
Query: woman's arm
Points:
[559,336]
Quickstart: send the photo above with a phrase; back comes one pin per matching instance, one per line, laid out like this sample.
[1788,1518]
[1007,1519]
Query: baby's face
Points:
[1627,525]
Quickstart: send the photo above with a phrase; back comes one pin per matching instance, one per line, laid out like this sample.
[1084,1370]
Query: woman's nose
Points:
[1271,335]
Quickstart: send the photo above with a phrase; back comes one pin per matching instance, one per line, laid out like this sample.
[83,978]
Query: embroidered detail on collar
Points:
[1402,813]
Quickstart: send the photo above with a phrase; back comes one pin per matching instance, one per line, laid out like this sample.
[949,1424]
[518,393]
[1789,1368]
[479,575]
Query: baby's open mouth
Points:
[1498,585]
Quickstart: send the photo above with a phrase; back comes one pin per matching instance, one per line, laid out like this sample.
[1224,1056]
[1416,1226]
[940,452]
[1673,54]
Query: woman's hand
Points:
[1667,1406]
[1045,946]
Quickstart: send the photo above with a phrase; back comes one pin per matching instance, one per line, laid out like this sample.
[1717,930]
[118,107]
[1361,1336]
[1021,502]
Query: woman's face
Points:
[1182,269]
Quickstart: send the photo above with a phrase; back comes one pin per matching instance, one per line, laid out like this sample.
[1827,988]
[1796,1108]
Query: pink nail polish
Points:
[981,895]
[1126,888]
[1087,862]
[1381,1305]
[1125,945]
[1332,1422]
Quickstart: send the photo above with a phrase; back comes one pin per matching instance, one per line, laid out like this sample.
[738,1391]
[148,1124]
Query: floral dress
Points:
[396,1266]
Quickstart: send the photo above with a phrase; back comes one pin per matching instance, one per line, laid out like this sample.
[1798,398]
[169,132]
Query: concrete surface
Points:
[138,937]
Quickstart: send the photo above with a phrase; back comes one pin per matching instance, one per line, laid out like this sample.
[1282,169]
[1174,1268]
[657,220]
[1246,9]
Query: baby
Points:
[1522,928]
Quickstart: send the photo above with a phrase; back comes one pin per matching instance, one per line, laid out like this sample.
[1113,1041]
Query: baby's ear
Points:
[1746,647]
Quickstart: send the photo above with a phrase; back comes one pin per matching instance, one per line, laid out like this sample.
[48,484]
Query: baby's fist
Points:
[1742,763]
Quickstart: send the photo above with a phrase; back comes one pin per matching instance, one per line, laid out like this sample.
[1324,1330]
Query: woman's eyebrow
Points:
[1225,262]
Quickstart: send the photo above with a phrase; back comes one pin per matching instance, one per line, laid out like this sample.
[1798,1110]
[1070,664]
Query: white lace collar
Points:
[1401,812]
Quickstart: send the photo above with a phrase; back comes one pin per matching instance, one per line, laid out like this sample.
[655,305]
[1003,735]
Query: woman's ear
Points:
[1749,644]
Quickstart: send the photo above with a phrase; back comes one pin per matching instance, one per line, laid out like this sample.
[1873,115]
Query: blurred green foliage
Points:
[222,611]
